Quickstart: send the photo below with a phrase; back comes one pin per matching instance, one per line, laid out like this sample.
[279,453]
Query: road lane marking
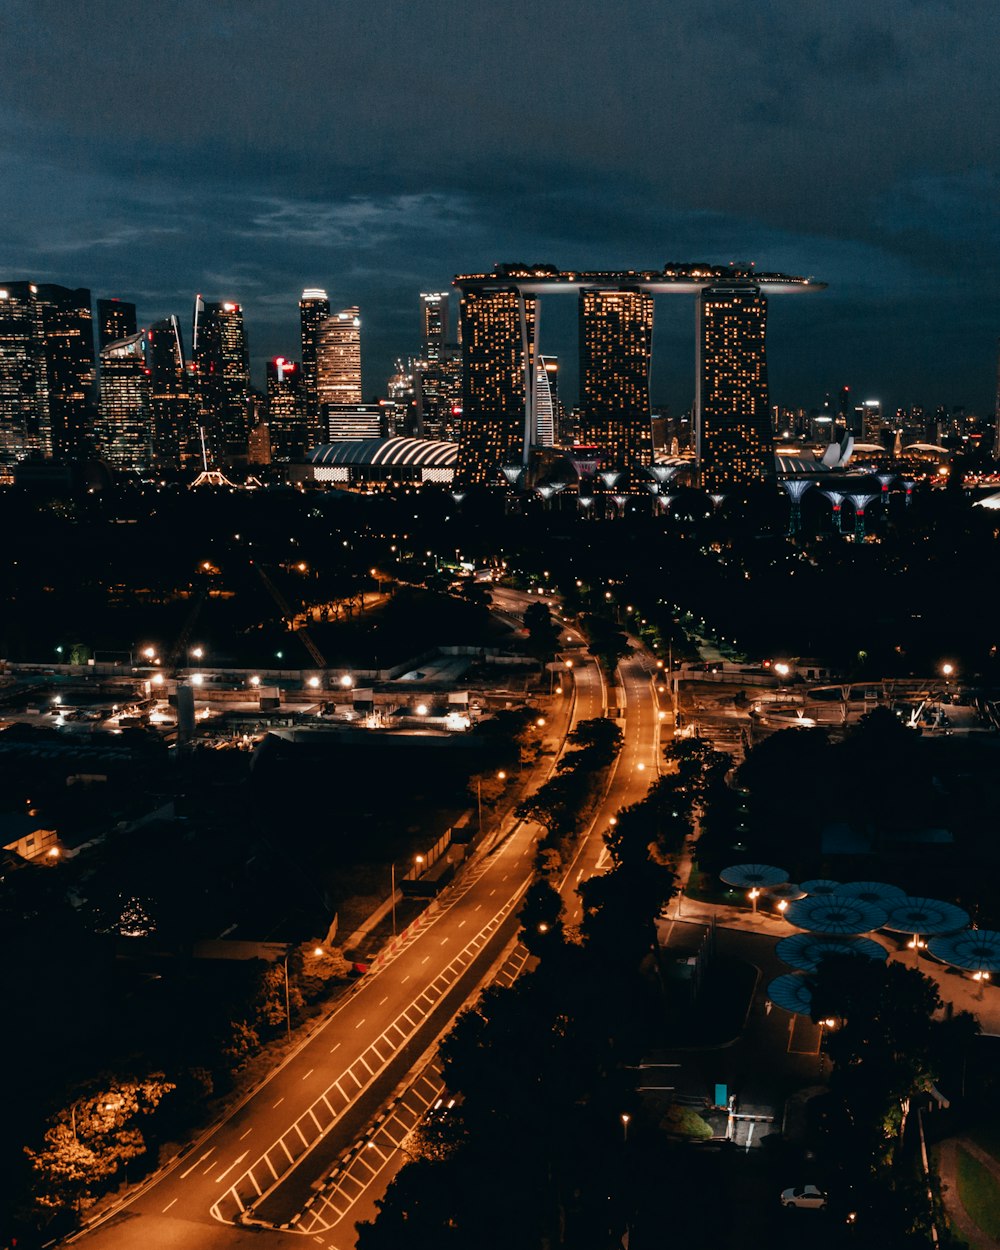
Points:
[247,1133]
[406,978]
[169,1205]
[196,1163]
[279,1102]
[333,1048]
[425,959]
[384,1001]
[460,923]
[309,1074]
[221,1178]
[360,1023]
[443,940]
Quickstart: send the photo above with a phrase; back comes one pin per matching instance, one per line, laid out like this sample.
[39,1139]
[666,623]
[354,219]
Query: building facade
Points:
[222,375]
[733,424]
[172,406]
[435,308]
[124,430]
[347,422]
[115,321]
[338,358]
[314,309]
[286,411]
[46,371]
[498,354]
[545,408]
[616,342]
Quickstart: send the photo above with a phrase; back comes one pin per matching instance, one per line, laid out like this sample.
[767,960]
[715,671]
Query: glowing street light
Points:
[149,653]
[421,709]
[753,896]
[625,1118]
[197,679]
[347,681]
[314,682]
[198,652]
[255,681]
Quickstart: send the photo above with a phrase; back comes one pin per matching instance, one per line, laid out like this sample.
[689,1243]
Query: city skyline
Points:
[838,156]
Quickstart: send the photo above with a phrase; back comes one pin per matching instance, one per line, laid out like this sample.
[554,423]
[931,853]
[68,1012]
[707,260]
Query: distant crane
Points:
[314,651]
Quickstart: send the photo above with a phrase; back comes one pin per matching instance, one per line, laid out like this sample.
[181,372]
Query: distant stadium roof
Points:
[869,447]
[424,452]
[926,447]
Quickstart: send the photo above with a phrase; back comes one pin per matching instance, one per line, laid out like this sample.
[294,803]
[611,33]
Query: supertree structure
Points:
[836,498]
[664,472]
[795,488]
[885,480]
[908,485]
[860,502]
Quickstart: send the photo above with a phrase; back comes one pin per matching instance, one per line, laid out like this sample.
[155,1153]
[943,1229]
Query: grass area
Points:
[987,1137]
[979,1193]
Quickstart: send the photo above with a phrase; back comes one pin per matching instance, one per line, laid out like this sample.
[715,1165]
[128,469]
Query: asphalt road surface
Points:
[329,1112]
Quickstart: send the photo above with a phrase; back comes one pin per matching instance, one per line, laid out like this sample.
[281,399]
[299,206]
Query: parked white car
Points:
[807,1196]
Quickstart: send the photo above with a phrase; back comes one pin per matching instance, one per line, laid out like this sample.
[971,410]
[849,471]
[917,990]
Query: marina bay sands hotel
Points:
[500,319]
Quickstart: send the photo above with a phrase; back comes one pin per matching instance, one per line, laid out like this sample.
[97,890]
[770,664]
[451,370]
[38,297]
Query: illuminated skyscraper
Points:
[546,404]
[733,425]
[314,308]
[498,347]
[286,416]
[338,358]
[25,425]
[124,432]
[435,310]
[222,370]
[68,327]
[616,338]
[115,321]
[176,442]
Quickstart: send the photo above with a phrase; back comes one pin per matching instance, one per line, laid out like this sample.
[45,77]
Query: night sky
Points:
[248,149]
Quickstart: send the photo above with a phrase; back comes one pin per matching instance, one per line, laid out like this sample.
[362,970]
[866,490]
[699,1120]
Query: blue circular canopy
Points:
[747,876]
[806,950]
[833,913]
[793,992]
[820,885]
[925,915]
[872,892]
[976,950]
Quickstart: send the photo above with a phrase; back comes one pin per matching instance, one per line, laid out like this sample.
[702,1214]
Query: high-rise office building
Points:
[68,323]
[115,321]
[498,345]
[25,424]
[734,442]
[616,339]
[871,421]
[435,306]
[338,358]
[222,371]
[286,413]
[46,370]
[176,442]
[546,406]
[124,432]
[314,309]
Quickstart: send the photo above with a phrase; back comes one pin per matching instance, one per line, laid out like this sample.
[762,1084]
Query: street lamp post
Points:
[753,896]
[625,1123]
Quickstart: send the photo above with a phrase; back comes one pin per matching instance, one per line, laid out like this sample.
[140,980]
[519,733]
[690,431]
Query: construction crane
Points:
[303,633]
[177,650]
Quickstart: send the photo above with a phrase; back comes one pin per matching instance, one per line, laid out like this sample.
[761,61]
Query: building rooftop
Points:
[674,277]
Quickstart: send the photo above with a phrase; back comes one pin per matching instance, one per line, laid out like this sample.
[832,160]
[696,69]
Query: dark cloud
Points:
[248,148]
